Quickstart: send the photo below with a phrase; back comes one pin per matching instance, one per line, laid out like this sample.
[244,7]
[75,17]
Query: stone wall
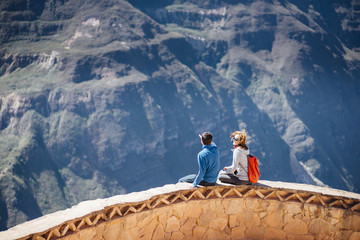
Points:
[232,218]
[220,212]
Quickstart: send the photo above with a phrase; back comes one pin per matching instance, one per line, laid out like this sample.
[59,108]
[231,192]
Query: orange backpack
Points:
[253,168]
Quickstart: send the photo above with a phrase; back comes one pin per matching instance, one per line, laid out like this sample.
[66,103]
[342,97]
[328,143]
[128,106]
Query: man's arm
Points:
[201,172]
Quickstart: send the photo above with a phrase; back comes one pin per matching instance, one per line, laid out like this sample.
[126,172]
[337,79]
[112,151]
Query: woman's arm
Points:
[235,162]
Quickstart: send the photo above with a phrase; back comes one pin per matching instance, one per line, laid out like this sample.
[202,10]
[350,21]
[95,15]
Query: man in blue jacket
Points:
[209,163]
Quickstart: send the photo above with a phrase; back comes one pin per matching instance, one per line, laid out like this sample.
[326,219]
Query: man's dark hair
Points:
[206,138]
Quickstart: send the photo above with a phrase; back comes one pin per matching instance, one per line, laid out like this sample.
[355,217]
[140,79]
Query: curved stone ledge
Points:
[270,210]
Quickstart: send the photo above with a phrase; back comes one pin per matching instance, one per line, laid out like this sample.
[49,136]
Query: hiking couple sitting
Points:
[209,163]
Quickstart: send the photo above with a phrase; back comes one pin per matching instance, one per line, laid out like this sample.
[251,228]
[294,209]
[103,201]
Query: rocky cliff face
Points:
[101,98]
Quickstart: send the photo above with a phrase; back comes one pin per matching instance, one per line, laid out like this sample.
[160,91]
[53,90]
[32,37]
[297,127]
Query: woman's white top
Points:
[239,163]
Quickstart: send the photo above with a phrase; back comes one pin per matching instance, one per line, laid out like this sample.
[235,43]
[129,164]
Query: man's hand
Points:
[192,187]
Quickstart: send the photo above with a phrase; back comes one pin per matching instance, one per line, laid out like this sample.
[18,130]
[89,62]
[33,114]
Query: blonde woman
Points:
[237,173]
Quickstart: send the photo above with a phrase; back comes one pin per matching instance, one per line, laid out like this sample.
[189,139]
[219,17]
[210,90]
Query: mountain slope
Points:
[101,98]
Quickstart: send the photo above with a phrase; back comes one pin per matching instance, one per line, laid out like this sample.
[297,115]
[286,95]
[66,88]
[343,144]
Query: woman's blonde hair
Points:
[241,135]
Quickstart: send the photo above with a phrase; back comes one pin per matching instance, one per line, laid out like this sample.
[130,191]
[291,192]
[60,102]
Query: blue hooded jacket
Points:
[209,164]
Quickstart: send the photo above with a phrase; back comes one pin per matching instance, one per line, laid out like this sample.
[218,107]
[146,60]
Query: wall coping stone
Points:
[47,222]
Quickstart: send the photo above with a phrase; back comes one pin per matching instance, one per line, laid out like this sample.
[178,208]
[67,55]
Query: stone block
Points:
[254,233]
[320,226]
[172,224]
[252,204]
[206,217]
[149,228]
[227,230]
[199,232]
[219,223]
[100,229]
[273,219]
[313,211]
[215,234]
[306,219]
[205,206]
[298,216]
[317,212]
[333,221]
[162,213]
[336,212]
[74,236]
[237,232]
[340,235]
[307,211]
[143,215]
[159,232]
[263,214]
[293,207]
[355,223]
[233,220]
[215,205]
[221,215]
[147,236]
[225,203]
[87,233]
[264,205]
[235,206]
[288,217]
[146,221]
[193,210]
[300,237]
[324,236]
[296,226]
[273,205]
[130,221]
[188,226]
[355,236]
[179,209]
[252,220]
[236,220]
[167,235]
[129,234]
[274,234]
[177,235]
[350,222]
[189,237]
[113,229]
